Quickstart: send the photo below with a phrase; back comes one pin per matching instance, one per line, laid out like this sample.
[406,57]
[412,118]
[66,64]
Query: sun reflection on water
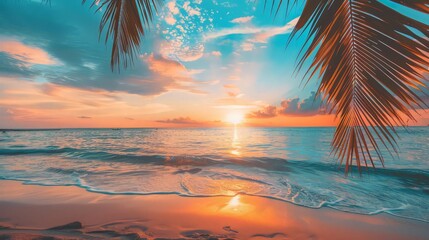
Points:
[235,201]
[235,145]
[236,206]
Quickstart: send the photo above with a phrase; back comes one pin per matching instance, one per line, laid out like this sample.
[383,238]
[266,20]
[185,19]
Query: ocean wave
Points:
[291,165]
[308,184]
[24,151]
[411,177]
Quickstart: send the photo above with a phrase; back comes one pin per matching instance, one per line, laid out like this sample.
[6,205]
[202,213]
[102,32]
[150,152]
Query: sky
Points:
[204,63]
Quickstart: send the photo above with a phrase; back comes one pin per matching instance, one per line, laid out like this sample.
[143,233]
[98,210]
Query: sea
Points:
[294,165]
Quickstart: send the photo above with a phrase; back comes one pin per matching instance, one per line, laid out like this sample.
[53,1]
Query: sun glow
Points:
[235,201]
[236,206]
[234,118]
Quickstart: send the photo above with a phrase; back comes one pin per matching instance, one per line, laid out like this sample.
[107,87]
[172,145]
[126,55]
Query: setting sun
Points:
[234,118]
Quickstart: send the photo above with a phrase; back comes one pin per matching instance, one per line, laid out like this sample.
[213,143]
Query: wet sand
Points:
[28,212]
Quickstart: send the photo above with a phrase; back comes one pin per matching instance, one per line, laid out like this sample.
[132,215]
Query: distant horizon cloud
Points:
[179,120]
[268,111]
[310,106]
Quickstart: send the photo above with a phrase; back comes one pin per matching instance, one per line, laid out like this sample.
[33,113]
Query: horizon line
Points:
[126,128]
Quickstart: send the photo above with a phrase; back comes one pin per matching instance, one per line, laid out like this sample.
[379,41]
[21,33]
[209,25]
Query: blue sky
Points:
[203,60]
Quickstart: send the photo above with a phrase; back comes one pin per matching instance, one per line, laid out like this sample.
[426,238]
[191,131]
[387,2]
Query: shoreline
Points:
[28,210]
[178,194]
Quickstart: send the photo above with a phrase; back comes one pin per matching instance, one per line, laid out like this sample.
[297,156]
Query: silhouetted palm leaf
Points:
[371,61]
[127,22]
[420,5]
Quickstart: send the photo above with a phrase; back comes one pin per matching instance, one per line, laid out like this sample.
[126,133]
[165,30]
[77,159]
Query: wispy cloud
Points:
[242,19]
[27,54]
[263,36]
[247,46]
[260,34]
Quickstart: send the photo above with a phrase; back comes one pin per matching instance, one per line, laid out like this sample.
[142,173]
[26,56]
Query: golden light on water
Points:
[234,202]
[236,207]
[235,143]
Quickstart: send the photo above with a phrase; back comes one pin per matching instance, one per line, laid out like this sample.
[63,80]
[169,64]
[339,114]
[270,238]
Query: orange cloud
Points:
[31,104]
[235,94]
[172,74]
[25,53]
[293,107]
[229,86]
[266,112]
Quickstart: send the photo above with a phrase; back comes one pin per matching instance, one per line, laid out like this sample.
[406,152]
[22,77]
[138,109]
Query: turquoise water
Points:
[288,164]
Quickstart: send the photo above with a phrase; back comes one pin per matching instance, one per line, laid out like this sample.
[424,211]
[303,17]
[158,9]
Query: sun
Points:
[235,201]
[234,118]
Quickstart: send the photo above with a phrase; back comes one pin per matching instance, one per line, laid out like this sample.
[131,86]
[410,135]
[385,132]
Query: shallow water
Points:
[289,164]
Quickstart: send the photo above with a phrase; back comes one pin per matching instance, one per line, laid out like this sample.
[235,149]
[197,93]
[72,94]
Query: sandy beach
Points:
[52,212]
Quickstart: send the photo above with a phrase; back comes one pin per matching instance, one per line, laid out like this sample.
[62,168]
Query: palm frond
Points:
[419,5]
[371,61]
[127,21]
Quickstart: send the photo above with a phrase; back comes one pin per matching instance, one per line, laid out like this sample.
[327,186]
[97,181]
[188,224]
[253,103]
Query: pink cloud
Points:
[173,7]
[26,53]
[216,53]
[165,66]
[310,106]
[229,86]
[234,94]
[170,20]
[242,19]
[266,112]
[171,75]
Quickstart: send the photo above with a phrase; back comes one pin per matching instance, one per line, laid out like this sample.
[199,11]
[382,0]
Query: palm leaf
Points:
[127,21]
[419,5]
[371,60]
